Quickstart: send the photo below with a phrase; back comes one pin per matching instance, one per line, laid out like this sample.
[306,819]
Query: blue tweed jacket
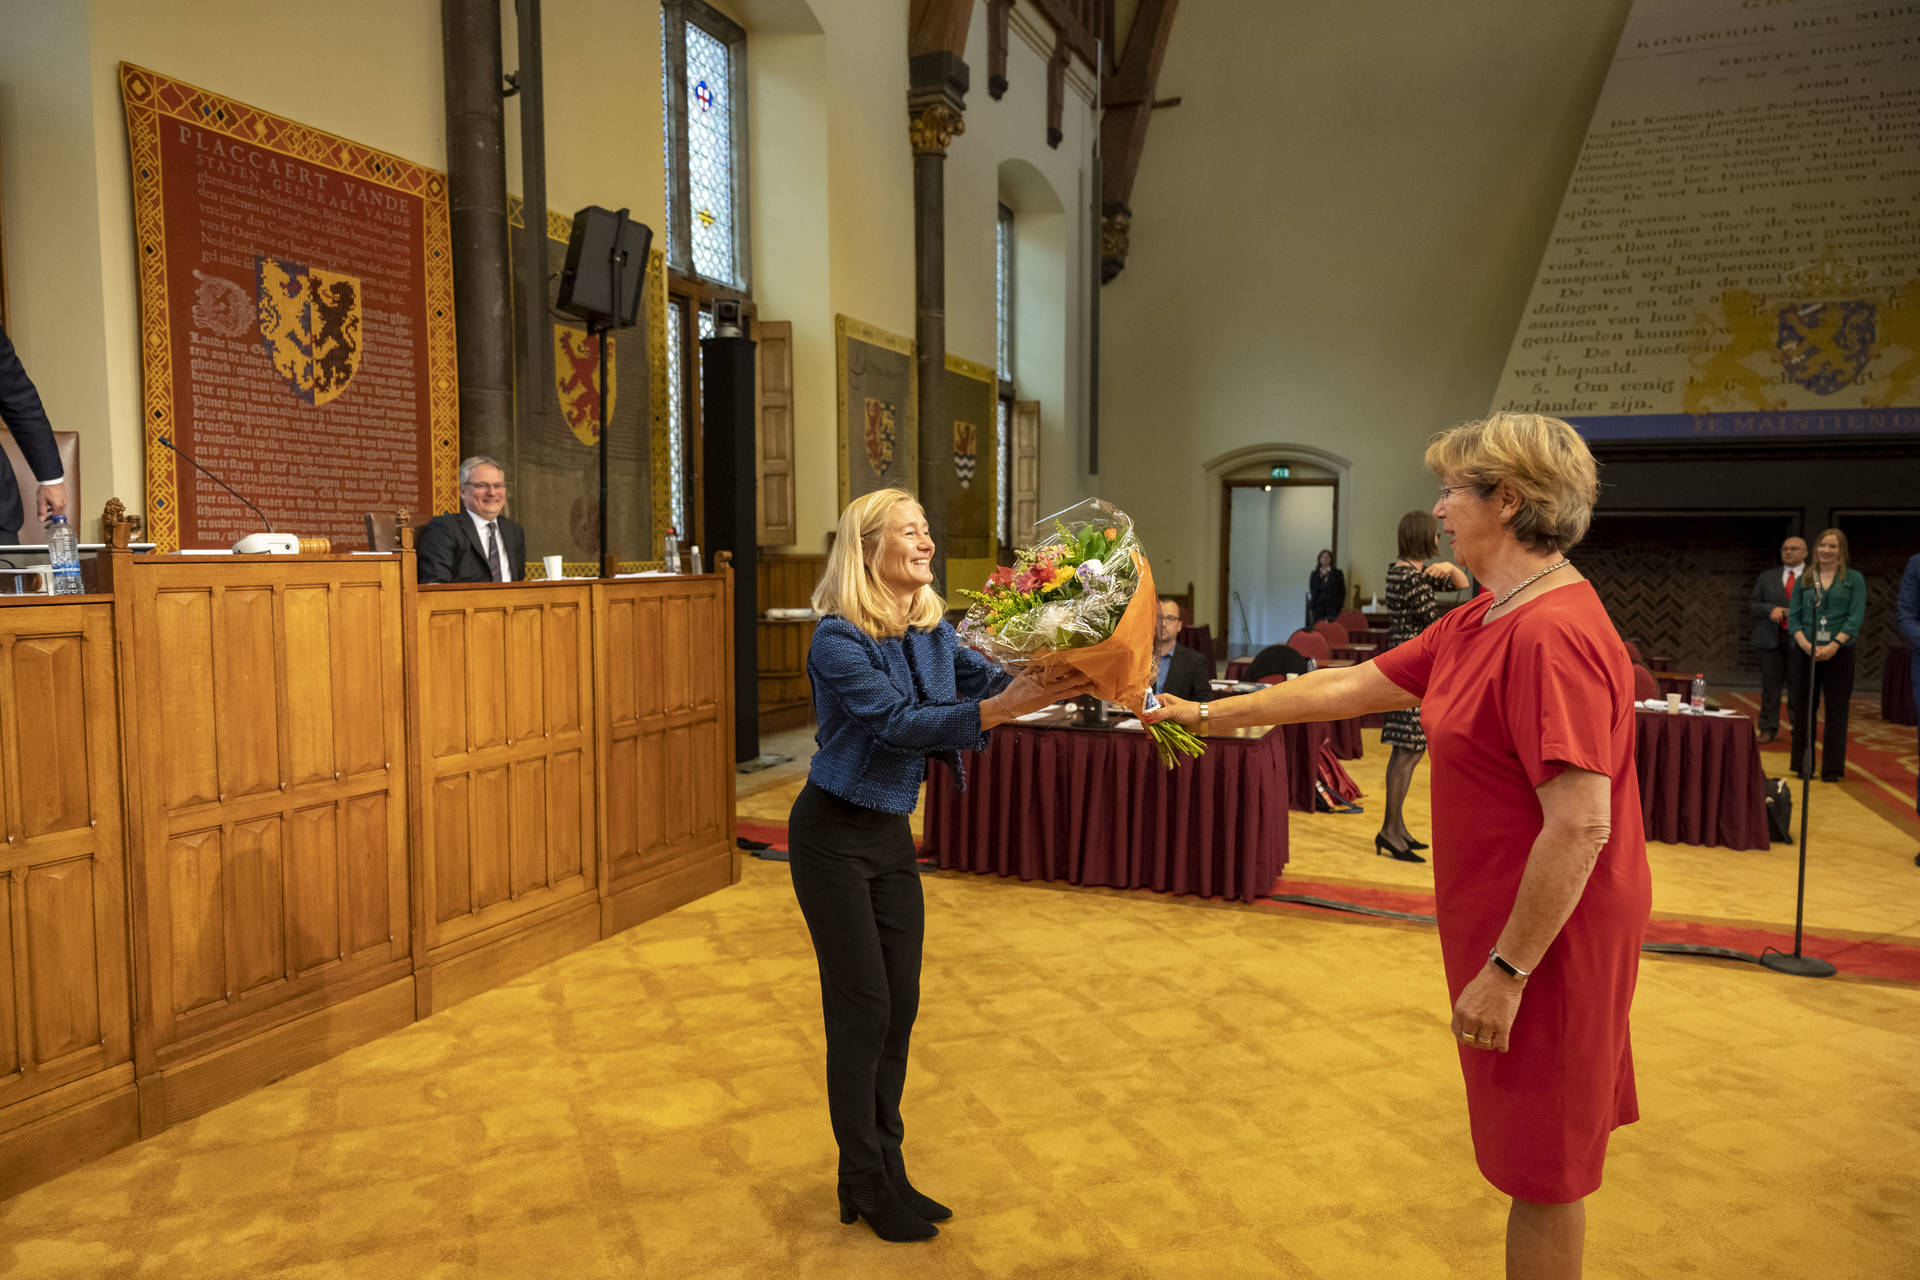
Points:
[884,706]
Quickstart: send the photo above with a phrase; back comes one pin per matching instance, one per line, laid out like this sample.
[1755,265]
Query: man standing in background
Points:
[1906,620]
[26,418]
[1768,605]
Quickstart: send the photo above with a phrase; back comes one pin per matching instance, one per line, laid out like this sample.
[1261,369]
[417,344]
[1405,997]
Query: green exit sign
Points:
[1279,473]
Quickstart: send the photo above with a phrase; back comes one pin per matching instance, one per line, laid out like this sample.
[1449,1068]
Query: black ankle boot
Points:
[922,1205]
[877,1202]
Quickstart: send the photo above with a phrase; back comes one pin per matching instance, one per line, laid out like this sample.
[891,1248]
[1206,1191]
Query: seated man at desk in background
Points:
[476,544]
[1182,672]
[26,418]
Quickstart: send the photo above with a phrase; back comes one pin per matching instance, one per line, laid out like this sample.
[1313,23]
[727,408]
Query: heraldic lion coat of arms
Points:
[310,325]
[881,437]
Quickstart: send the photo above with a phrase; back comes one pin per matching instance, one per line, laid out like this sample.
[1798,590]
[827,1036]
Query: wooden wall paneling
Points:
[786,695]
[66,1082]
[282,895]
[507,782]
[250,694]
[667,743]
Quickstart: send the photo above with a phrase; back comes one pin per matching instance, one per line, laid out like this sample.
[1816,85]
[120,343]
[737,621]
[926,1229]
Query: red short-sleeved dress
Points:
[1506,706]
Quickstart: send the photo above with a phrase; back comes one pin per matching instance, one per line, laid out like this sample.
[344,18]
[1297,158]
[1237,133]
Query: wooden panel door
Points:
[507,756]
[668,710]
[1025,494]
[63,926]
[775,521]
[271,854]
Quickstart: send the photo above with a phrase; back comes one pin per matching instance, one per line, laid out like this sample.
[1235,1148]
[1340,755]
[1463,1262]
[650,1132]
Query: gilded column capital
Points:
[934,128]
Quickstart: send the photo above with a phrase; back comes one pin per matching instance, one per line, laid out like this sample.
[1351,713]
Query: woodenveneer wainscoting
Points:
[786,695]
[258,811]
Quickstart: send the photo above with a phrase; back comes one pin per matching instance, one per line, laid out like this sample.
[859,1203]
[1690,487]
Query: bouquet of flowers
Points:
[1082,597]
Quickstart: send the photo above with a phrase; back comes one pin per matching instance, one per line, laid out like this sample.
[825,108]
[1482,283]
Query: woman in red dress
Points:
[1540,864]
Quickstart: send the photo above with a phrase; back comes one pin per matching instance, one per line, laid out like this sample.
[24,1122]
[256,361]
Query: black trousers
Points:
[1833,680]
[1773,676]
[858,883]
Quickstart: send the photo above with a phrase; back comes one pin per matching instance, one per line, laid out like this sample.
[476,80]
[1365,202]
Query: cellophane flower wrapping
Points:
[1081,596]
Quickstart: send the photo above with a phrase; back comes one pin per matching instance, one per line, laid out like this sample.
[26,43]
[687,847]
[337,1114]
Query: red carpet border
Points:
[1869,958]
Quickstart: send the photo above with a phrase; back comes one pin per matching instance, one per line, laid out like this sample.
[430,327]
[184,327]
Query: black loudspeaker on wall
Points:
[729,488]
[604,244]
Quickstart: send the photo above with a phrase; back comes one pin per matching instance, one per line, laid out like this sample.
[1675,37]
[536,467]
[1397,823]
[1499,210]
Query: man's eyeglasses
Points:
[487,488]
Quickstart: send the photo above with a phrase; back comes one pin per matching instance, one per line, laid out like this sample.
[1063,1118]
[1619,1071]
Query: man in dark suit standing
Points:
[26,418]
[1178,670]
[477,543]
[1768,605]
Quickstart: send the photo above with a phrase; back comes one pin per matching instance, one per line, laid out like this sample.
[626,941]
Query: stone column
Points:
[935,100]
[477,208]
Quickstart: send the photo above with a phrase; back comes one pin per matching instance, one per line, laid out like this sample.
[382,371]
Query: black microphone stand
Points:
[216,479]
[1802,965]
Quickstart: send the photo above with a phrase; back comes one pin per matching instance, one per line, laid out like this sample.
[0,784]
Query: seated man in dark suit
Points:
[26,418]
[1181,671]
[476,544]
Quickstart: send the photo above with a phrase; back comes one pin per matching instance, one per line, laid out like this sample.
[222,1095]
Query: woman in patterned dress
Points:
[1410,602]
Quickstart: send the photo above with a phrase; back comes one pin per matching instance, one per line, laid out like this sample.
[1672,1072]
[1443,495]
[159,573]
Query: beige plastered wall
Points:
[1333,237]
[833,224]
[832,190]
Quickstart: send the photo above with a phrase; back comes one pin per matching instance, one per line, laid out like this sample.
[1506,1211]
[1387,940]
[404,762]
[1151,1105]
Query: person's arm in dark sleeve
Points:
[975,676]
[434,555]
[1757,604]
[1907,605]
[841,664]
[26,417]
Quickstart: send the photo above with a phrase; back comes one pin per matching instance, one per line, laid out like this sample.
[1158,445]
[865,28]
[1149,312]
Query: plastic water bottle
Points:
[63,549]
[670,552]
[1698,703]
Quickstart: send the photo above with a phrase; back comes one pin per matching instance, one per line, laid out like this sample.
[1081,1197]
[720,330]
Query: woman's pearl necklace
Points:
[1529,582]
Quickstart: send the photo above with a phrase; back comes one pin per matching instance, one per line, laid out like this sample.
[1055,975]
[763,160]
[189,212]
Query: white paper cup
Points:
[1673,704]
[553,566]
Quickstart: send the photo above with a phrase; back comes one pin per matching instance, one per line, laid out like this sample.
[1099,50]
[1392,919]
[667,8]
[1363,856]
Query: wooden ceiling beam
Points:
[938,26]
[1127,99]
[1079,23]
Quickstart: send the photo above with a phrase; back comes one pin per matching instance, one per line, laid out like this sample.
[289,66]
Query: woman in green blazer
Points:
[1824,618]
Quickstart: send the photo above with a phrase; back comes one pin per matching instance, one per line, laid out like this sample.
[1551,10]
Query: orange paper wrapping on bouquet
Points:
[1121,666]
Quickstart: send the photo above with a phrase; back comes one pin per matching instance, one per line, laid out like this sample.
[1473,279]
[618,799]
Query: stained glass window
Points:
[1003,292]
[1002,464]
[702,56]
[666,134]
[1003,325]
[677,418]
[710,156]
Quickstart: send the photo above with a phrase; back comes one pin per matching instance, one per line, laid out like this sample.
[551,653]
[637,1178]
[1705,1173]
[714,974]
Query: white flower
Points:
[1050,622]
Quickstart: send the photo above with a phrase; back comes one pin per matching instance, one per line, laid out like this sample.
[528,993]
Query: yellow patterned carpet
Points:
[1104,1085]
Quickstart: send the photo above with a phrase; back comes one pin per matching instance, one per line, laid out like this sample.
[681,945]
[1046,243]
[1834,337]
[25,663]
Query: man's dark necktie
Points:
[493,554]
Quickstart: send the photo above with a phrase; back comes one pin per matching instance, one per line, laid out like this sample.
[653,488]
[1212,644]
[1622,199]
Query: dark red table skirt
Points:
[1097,808]
[1303,759]
[1896,687]
[1700,780]
[1344,737]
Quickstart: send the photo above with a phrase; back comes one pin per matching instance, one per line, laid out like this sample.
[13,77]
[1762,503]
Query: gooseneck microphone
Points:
[217,480]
